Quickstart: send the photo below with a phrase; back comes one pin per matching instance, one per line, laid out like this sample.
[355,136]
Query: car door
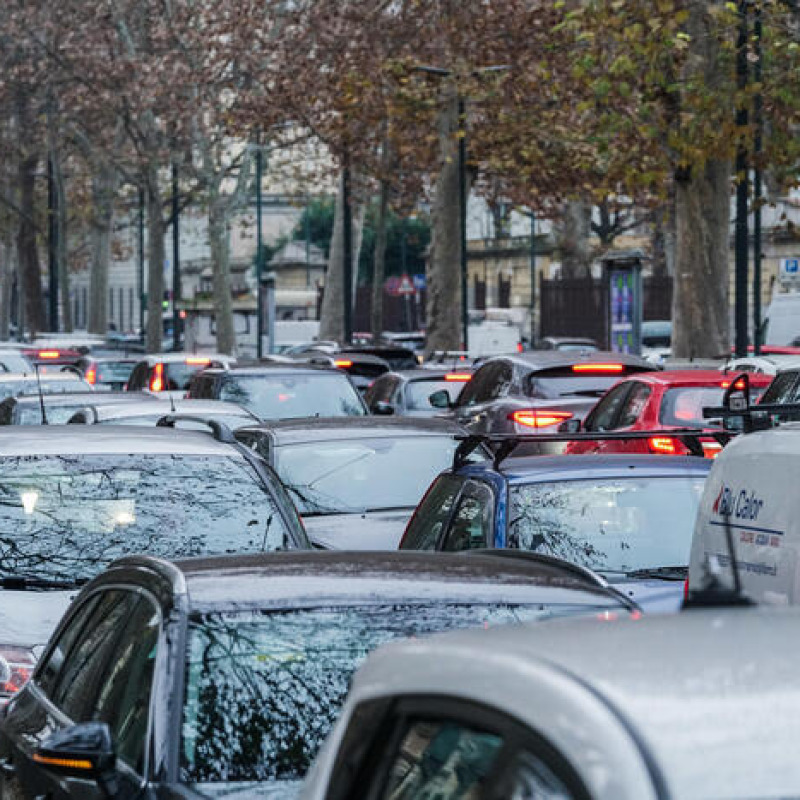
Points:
[603,417]
[448,748]
[631,409]
[100,668]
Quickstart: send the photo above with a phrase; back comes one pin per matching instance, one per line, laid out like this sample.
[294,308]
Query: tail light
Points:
[343,363]
[457,377]
[157,381]
[711,449]
[664,445]
[605,369]
[198,362]
[539,418]
[16,668]
[91,376]
[686,589]
[49,354]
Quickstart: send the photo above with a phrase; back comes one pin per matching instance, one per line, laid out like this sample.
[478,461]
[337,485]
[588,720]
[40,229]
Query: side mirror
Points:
[440,399]
[382,408]
[85,750]
[570,426]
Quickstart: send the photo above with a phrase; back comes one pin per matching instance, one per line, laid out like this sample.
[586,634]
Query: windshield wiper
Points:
[22,582]
[662,573]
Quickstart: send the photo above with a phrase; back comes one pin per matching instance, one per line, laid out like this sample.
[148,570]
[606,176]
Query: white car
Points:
[766,365]
[701,705]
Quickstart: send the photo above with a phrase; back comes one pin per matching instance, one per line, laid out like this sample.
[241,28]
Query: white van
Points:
[752,489]
[783,319]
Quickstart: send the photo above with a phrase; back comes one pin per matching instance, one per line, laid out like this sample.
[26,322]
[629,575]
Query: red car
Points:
[660,401]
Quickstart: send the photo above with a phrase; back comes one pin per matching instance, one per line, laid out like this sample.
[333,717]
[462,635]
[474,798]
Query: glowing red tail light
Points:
[343,363]
[17,666]
[663,445]
[457,377]
[740,384]
[157,381]
[539,418]
[91,376]
[201,362]
[49,354]
[598,368]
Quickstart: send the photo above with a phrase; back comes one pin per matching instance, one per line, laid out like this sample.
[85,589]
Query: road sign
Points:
[421,282]
[790,269]
[405,286]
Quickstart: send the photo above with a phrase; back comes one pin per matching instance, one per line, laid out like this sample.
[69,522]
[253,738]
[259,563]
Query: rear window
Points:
[114,371]
[59,414]
[552,384]
[180,374]
[289,396]
[683,405]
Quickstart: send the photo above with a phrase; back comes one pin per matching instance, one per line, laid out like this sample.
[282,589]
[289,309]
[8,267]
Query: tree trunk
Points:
[7,270]
[444,271]
[379,262]
[27,251]
[155,261]
[220,260]
[663,241]
[331,323]
[573,234]
[700,311]
[61,238]
[104,183]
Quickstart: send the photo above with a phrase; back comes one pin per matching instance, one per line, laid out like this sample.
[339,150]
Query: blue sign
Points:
[420,282]
[791,266]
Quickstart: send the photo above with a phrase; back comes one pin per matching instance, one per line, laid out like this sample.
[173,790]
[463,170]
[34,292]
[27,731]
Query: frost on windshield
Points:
[617,525]
[264,688]
[66,517]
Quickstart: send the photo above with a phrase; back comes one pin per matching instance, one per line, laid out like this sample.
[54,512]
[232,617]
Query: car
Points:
[356,480]
[407,393]
[784,389]
[767,365]
[657,340]
[362,368]
[629,518]
[660,402]
[107,372]
[536,392]
[697,705]
[13,384]
[568,344]
[59,407]
[222,676]
[172,372]
[52,356]
[281,391]
[76,498]
[12,360]
[192,414]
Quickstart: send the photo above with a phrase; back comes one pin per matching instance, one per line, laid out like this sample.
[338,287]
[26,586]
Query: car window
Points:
[471,525]
[432,514]
[381,390]
[80,678]
[781,389]
[124,698]
[418,392]
[634,405]
[491,381]
[441,760]
[531,779]
[605,413]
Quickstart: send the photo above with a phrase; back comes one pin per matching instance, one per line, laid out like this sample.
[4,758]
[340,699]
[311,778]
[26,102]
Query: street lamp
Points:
[463,193]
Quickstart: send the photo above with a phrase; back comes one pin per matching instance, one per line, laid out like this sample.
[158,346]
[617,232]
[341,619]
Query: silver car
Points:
[698,706]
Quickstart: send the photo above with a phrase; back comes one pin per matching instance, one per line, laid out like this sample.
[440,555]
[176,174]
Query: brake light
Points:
[91,376]
[47,354]
[711,449]
[343,363]
[536,418]
[663,445]
[202,362]
[604,368]
[16,667]
[686,589]
[740,384]
[457,377]
[520,348]
[157,381]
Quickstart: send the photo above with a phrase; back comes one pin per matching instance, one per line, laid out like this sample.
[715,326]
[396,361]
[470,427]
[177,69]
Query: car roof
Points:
[539,469]
[83,398]
[277,368]
[163,408]
[694,377]
[177,358]
[436,373]
[54,440]
[15,377]
[315,429]
[721,721]
[292,578]
[553,359]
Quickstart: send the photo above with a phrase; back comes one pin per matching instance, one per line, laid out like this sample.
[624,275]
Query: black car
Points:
[281,390]
[356,480]
[407,393]
[222,677]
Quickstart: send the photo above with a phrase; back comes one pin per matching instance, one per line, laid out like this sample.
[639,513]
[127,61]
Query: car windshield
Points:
[362,474]
[418,392]
[683,405]
[13,388]
[615,525]
[67,517]
[114,371]
[58,413]
[288,396]
[233,421]
[264,687]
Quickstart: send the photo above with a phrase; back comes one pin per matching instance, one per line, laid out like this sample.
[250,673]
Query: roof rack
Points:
[579,571]
[507,443]
[220,431]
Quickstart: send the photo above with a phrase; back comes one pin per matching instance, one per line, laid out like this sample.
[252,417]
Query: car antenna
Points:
[172,403]
[41,394]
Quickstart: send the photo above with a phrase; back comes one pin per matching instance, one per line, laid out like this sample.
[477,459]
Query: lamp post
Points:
[259,255]
[176,260]
[758,109]
[741,232]
[463,190]
[140,265]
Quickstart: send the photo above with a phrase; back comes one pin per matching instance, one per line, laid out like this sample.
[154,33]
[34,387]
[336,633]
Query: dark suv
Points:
[282,391]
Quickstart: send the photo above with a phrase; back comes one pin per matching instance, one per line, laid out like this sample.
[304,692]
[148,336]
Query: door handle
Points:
[6,767]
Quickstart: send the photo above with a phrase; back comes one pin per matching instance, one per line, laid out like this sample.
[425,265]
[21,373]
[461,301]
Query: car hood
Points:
[652,595]
[29,618]
[371,530]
